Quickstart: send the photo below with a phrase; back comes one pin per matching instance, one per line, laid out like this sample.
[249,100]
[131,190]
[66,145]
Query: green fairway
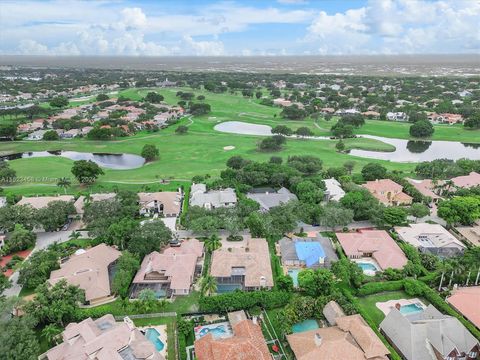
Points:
[201,150]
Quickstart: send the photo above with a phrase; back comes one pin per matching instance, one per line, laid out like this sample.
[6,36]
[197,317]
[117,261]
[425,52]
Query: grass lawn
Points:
[276,329]
[200,151]
[171,324]
[368,303]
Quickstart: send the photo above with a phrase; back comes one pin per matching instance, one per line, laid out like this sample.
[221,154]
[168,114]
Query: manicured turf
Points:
[200,151]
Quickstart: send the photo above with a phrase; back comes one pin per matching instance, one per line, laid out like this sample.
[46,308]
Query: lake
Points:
[405,150]
[109,161]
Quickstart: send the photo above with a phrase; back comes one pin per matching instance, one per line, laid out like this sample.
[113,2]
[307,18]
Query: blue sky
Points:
[223,28]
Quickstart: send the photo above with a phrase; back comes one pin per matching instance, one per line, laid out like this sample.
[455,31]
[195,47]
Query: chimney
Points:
[263,281]
[318,339]
[129,322]
[398,306]
[254,320]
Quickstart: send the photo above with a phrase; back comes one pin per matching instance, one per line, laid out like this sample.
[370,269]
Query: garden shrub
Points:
[241,300]
[376,287]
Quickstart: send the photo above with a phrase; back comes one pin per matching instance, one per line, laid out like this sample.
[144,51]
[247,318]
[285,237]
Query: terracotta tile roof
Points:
[247,343]
[466,300]
[39,202]
[425,187]
[387,191]
[352,339]
[383,248]
[89,271]
[467,181]
[255,258]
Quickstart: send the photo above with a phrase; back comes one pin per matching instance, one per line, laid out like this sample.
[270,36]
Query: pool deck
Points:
[162,329]
[386,306]
[370,261]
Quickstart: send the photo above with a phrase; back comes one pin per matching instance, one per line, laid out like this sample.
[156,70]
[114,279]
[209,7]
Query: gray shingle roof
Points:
[268,200]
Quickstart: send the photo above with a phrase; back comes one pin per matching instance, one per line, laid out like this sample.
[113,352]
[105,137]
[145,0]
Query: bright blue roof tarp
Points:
[309,251]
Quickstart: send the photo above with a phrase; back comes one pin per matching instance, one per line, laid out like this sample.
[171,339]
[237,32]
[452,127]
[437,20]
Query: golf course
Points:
[203,150]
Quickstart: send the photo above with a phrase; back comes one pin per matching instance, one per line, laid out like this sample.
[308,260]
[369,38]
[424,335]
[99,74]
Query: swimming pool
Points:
[309,324]
[226,288]
[152,335]
[218,331]
[368,267]
[410,309]
[293,273]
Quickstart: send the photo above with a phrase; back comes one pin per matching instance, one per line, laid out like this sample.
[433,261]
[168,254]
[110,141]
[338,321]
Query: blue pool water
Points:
[218,331]
[152,336]
[410,309]
[293,273]
[226,288]
[366,266]
[310,324]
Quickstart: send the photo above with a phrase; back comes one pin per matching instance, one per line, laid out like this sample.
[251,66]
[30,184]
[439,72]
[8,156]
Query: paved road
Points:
[44,240]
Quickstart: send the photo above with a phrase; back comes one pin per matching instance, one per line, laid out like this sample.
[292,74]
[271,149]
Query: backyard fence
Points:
[148,316]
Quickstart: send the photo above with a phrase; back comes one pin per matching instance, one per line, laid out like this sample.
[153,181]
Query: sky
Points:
[239,28]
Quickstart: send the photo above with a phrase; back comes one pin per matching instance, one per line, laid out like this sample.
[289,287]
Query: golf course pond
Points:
[109,161]
[405,150]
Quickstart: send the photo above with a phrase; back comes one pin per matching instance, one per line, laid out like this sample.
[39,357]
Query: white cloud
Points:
[294,2]
[205,48]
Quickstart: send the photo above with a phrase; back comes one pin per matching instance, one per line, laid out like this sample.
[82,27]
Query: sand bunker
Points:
[230,147]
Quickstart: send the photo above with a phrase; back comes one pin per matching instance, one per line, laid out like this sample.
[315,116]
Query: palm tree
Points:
[208,285]
[74,235]
[64,182]
[213,243]
[50,332]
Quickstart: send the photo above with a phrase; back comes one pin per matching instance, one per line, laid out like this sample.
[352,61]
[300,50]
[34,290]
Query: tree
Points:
[4,283]
[276,160]
[282,130]
[99,215]
[7,174]
[213,243]
[463,210]
[208,285]
[152,236]
[419,210]
[394,216]
[422,129]
[349,166]
[274,143]
[304,131]
[316,282]
[24,215]
[373,171]
[335,215]
[57,304]
[8,131]
[340,130]
[306,164]
[199,109]
[86,172]
[59,101]
[36,270]
[293,112]
[340,145]
[55,215]
[121,233]
[102,97]
[282,219]
[309,192]
[181,130]
[256,224]
[17,335]
[50,135]
[127,265]
[150,152]
[64,183]
[99,133]
[237,162]
[19,240]
[348,271]
[50,333]
[258,94]
[154,97]
[285,283]
[473,122]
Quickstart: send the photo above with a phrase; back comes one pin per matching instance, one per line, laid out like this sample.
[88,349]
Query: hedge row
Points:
[353,300]
[240,300]
[376,287]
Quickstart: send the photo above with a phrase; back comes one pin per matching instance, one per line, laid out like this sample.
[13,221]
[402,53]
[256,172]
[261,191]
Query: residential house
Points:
[445,118]
[245,343]
[212,199]
[397,116]
[282,102]
[327,110]
[170,272]
[165,203]
[469,233]
[334,191]
[166,83]
[3,201]
[245,267]
[83,200]
[466,301]
[268,198]
[429,335]
[90,270]
[431,238]
[371,114]
[467,181]
[375,244]
[332,311]
[351,338]
[311,252]
[388,192]
[70,134]
[464,93]
[39,202]
[425,187]
[103,339]
[36,135]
